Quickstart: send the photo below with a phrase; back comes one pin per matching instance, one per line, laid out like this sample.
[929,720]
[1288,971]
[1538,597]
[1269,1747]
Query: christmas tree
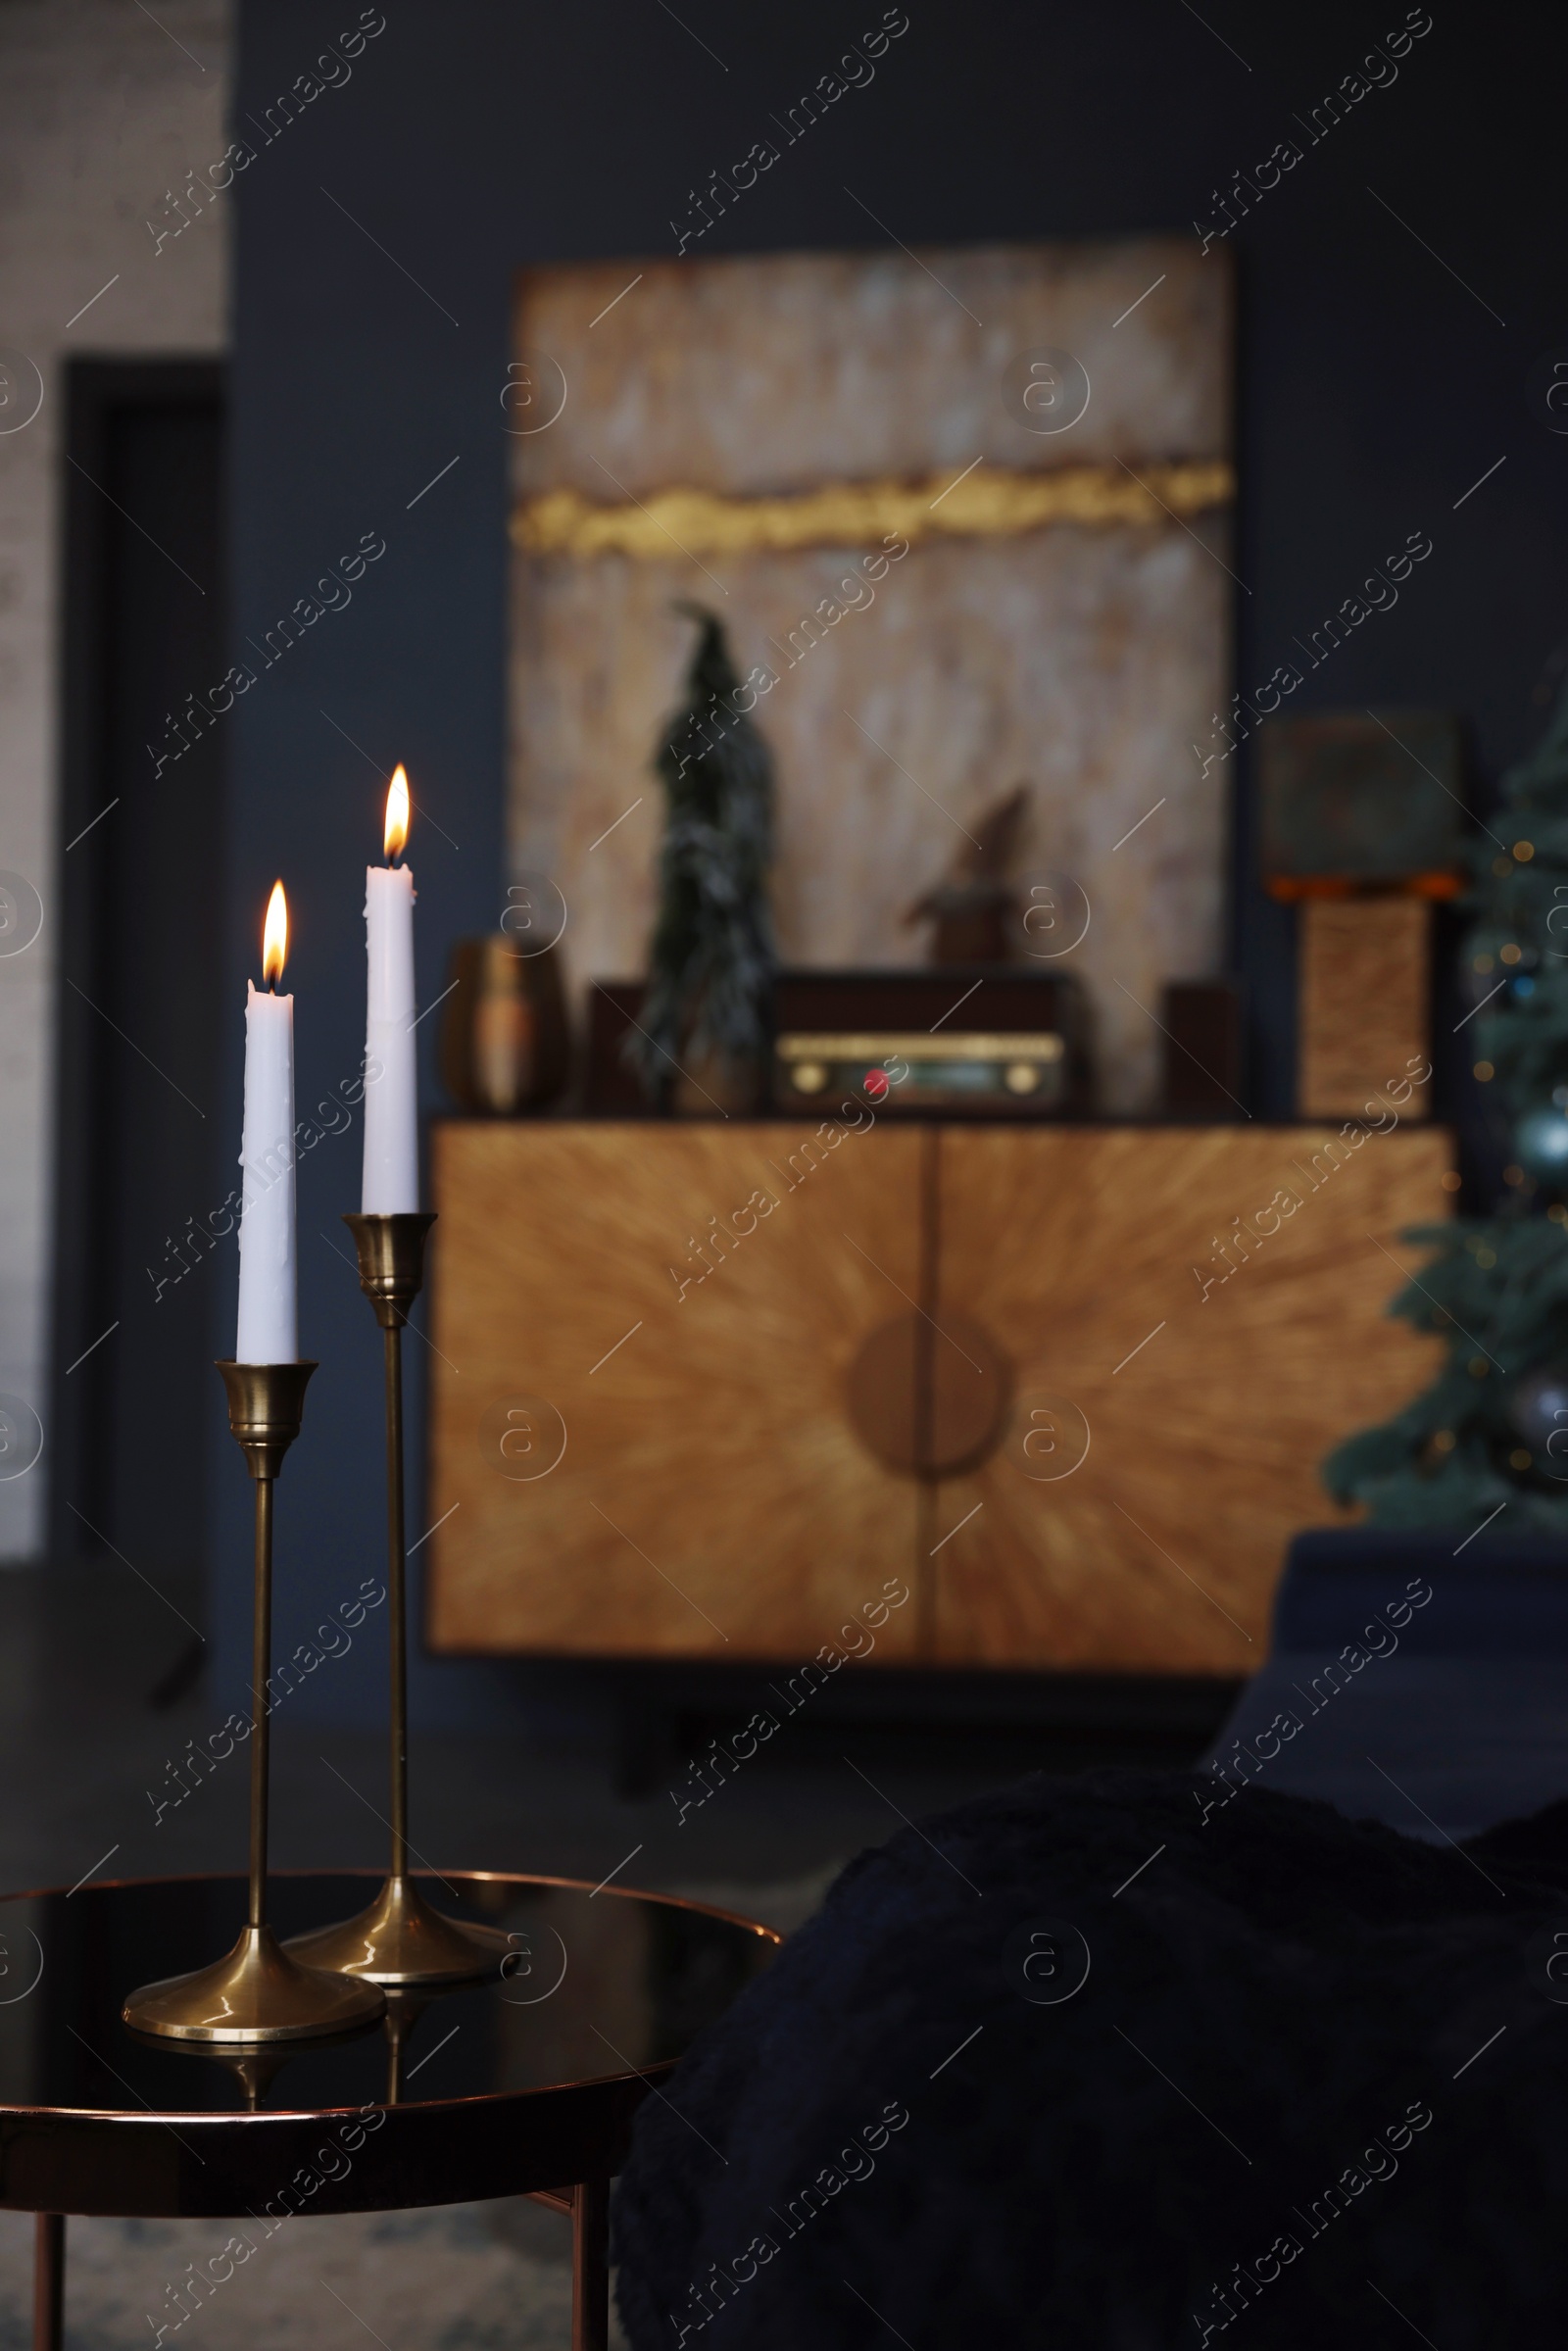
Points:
[711,961]
[1492,1428]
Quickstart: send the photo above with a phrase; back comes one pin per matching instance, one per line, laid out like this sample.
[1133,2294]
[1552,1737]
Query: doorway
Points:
[141,851]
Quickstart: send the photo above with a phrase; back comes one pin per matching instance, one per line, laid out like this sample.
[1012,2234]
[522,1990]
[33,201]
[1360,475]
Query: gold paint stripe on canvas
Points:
[986,503]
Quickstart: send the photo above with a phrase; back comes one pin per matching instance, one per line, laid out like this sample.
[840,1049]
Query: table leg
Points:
[48,2279]
[590,2265]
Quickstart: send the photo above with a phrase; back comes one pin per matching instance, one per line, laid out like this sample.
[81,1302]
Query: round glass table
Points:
[522,2084]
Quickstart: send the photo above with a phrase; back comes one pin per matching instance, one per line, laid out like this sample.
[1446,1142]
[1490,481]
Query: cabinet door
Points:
[1084,1254]
[710,1499]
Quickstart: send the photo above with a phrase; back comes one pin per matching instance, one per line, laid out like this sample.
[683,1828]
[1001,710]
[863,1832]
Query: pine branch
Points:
[711,959]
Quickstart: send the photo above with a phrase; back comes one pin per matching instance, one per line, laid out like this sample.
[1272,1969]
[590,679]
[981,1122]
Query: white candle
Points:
[268,1325]
[391,1184]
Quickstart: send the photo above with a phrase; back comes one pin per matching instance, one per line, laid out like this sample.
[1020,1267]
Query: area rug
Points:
[459,2277]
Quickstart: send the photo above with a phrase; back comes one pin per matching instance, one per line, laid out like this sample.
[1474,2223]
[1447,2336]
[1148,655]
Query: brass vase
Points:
[504,1046]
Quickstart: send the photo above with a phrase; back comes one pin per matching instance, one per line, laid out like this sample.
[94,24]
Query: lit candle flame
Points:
[397,812]
[274,936]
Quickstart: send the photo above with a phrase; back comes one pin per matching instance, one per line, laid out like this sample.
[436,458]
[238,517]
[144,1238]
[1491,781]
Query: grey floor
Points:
[84,1751]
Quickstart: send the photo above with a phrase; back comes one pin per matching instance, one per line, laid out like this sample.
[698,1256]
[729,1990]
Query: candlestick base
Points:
[258,1993]
[399,1939]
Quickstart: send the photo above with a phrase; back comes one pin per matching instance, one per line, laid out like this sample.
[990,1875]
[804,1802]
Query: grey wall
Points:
[1378,380]
[100,112]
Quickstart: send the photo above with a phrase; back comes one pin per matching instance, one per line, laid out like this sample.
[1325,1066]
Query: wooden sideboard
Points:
[706,1388]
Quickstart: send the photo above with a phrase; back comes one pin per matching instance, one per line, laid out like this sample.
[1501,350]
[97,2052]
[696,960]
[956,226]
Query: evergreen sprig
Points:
[711,959]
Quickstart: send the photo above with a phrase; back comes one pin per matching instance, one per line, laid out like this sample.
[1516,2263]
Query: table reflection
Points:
[592,1984]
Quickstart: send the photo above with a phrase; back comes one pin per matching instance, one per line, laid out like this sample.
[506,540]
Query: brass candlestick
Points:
[258,1993]
[399,1939]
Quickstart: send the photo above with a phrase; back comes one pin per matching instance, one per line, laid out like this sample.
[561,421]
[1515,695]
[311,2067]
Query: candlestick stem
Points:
[261,1713]
[399,1939]
[397,1601]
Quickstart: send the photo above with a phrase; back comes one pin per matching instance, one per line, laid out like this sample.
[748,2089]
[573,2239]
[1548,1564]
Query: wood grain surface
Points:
[1084,1254]
[1365,996]
[714,1499]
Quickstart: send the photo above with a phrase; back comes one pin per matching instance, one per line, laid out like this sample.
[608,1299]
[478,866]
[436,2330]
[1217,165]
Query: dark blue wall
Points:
[1375,388]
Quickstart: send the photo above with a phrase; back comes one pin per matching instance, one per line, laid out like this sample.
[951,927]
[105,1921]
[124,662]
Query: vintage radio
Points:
[986,1043]
[964,1070]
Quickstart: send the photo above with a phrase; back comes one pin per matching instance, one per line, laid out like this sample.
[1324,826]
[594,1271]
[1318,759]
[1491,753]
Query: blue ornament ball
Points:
[1541,1144]
[1538,1412]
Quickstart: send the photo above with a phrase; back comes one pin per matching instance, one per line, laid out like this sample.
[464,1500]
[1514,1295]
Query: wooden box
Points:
[1365,987]
[708,1388]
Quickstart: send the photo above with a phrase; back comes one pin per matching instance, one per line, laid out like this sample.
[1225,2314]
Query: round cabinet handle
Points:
[929,1401]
